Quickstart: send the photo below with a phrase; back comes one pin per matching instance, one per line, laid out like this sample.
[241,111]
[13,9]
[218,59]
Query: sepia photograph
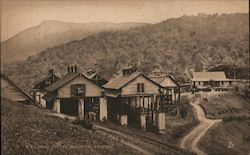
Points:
[121,77]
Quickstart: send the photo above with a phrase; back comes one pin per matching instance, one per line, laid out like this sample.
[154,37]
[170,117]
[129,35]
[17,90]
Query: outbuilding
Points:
[13,92]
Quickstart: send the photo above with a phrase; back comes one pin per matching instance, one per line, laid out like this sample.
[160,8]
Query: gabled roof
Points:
[160,79]
[43,79]
[21,90]
[120,81]
[207,76]
[64,80]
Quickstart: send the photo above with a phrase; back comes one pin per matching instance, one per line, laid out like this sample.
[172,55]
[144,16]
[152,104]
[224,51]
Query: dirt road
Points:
[190,141]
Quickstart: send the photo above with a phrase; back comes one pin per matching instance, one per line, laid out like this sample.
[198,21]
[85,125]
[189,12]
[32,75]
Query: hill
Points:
[51,33]
[178,46]
[28,130]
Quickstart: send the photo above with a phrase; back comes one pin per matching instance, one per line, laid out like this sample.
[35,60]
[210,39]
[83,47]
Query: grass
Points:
[156,143]
[218,138]
[28,130]
[225,105]
[177,127]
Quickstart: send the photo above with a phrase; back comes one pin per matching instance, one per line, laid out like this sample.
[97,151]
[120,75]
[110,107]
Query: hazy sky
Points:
[17,16]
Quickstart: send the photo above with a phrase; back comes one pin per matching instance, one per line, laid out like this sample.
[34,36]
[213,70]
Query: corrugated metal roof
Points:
[207,76]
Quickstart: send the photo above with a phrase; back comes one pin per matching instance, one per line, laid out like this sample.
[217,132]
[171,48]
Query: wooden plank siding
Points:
[8,90]
[92,90]
[131,88]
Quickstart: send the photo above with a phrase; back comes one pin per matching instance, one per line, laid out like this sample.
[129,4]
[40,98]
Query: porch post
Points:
[56,106]
[161,124]
[103,108]
[81,108]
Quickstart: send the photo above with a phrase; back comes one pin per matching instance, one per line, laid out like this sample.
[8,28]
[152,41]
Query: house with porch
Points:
[38,89]
[76,95]
[211,80]
[134,99]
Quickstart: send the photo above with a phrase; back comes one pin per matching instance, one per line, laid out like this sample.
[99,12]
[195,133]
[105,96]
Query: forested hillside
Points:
[178,46]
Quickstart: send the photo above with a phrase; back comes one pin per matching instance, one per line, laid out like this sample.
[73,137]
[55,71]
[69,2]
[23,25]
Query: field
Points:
[225,105]
[28,130]
[231,137]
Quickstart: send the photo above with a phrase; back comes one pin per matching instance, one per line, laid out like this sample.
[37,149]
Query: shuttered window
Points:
[140,87]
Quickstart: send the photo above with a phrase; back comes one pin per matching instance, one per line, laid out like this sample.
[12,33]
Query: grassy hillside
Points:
[177,45]
[218,139]
[28,130]
[225,105]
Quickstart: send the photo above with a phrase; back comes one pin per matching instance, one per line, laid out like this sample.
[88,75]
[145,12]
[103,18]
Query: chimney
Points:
[50,71]
[69,70]
[75,69]
[127,71]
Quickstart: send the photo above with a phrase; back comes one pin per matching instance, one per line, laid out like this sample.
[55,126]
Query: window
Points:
[78,90]
[222,83]
[140,87]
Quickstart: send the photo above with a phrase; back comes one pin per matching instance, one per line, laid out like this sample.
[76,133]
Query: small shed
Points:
[13,92]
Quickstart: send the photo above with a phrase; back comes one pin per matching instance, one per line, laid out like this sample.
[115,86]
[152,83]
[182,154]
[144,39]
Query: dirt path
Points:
[190,141]
[116,135]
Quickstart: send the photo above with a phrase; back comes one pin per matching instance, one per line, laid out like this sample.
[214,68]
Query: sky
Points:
[17,16]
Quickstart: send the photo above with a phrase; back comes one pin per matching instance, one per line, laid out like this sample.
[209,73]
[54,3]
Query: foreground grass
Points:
[231,137]
[225,105]
[28,130]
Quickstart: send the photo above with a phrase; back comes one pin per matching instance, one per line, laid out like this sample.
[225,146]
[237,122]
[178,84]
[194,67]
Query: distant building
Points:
[76,95]
[13,92]
[96,78]
[38,89]
[134,99]
[213,80]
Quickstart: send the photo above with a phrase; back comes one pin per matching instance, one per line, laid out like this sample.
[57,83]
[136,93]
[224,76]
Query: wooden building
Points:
[38,90]
[134,99]
[13,92]
[211,80]
[75,95]
[96,78]
[172,97]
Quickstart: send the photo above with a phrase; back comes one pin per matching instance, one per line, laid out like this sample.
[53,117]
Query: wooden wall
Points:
[8,90]
[92,90]
[149,87]
[168,83]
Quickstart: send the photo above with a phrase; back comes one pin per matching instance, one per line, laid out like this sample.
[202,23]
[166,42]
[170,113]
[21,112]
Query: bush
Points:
[86,123]
[237,118]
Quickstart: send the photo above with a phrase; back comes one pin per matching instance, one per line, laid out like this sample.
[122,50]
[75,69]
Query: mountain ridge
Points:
[51,33]
[177,46]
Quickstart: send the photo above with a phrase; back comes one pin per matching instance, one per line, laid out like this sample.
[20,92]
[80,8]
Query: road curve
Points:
[190,141]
